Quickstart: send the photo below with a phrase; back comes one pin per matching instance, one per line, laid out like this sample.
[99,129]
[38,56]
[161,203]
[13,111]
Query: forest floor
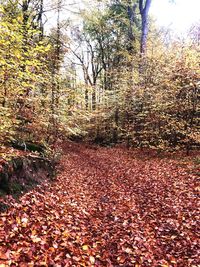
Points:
[107,207]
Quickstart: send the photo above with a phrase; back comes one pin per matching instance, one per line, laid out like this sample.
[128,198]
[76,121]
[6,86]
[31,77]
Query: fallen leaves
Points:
[106,208]
[85,247]
[92,259]
[35,239]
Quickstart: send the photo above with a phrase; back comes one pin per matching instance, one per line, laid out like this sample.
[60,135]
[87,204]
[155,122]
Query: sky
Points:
[179,16]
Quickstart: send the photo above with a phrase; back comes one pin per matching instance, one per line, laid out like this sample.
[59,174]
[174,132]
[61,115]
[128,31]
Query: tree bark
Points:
[144,6]
[40,21]
[131,15]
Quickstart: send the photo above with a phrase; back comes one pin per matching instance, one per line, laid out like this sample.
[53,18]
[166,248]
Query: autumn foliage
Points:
[107,207]
[103,81]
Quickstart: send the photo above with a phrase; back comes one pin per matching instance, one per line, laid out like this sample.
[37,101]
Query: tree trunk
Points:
[144,10]
[131,15]
[40,22]
[115,129]
[93,98]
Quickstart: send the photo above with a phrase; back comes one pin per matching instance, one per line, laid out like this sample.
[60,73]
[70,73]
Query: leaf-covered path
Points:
[106,208]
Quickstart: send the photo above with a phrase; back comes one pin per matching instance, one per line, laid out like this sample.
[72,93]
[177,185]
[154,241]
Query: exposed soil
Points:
[20,172]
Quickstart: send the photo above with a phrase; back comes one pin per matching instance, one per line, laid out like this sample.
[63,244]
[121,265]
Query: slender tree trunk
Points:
[5,88]
[131,14]
[86,97]
[94,97]
[115,130]
[58,50]
[55,74]
[144,6]
[40,21]
[25,18]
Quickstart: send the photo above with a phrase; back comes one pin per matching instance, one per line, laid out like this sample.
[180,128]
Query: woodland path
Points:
[106,208]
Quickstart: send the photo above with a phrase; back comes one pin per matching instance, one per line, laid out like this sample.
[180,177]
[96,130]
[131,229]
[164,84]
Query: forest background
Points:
[110,76]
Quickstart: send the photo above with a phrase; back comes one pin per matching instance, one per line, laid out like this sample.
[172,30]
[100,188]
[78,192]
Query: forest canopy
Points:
[110,76]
